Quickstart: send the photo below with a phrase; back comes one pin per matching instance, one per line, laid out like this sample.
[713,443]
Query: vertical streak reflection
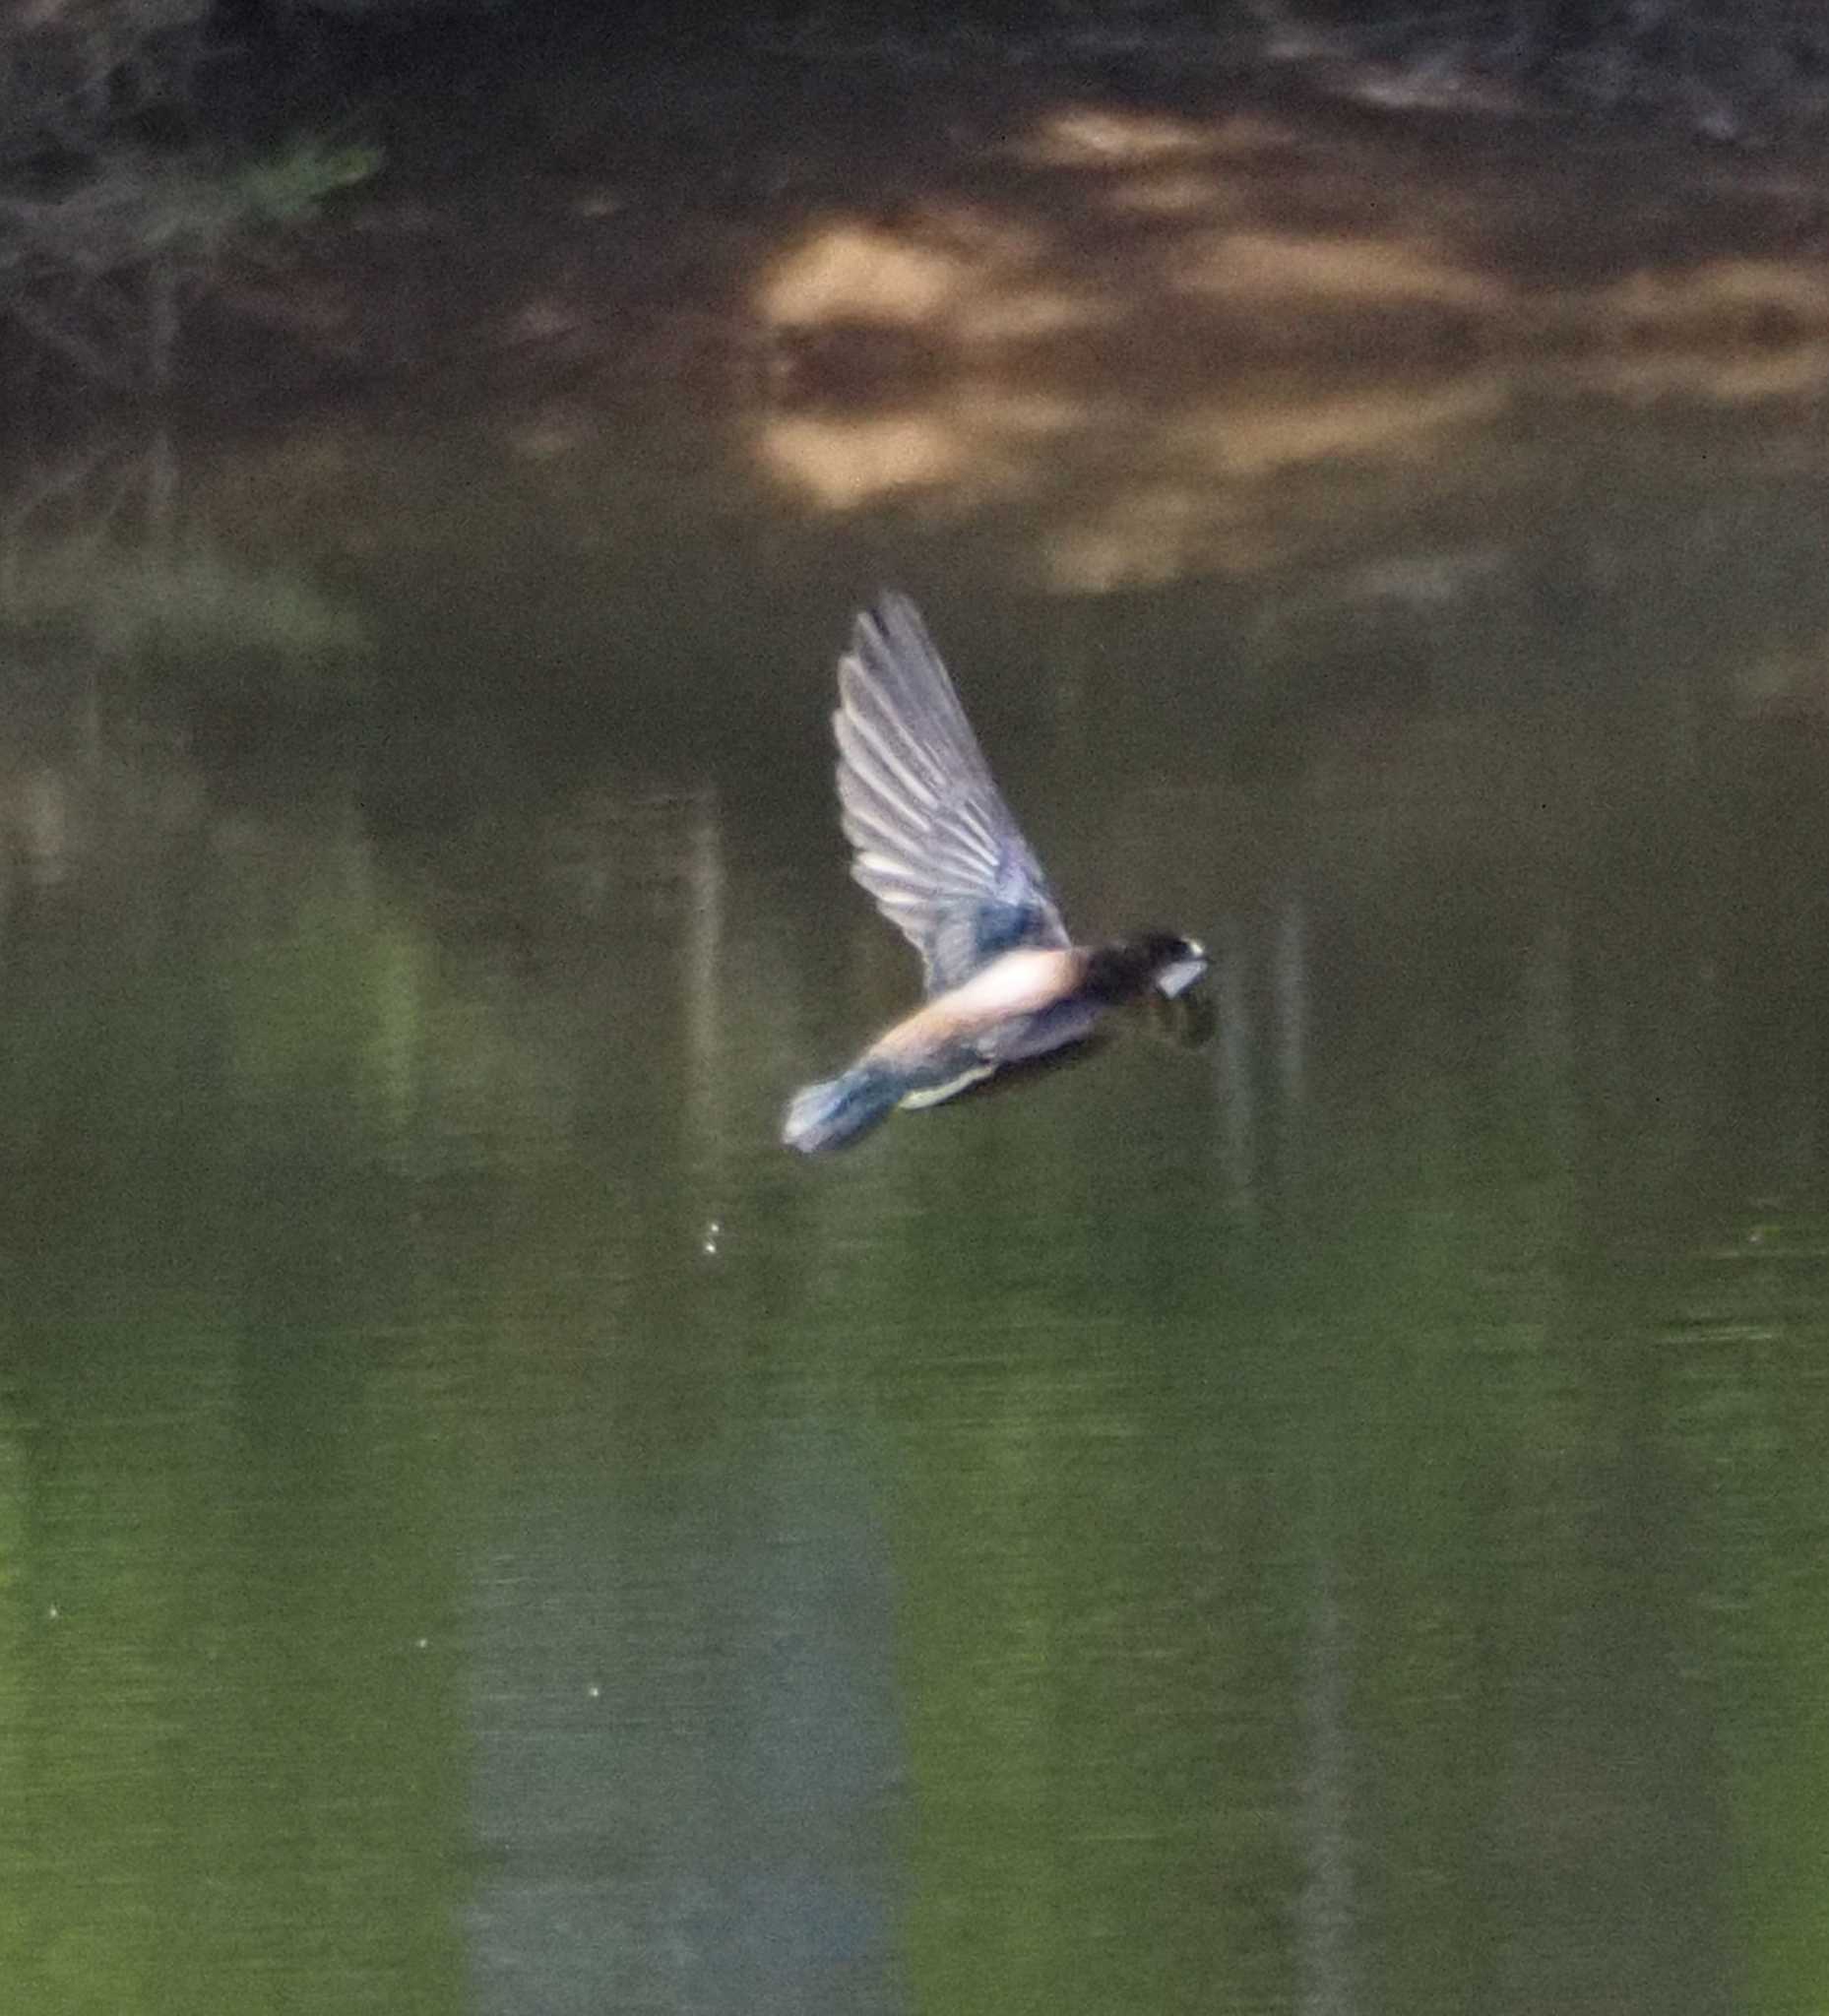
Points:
[1324,1910]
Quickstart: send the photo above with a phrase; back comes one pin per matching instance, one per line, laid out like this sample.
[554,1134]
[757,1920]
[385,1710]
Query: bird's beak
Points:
[1173,980]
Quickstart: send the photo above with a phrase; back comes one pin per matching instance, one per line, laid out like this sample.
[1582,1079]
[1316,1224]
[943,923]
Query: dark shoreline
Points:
[600,224]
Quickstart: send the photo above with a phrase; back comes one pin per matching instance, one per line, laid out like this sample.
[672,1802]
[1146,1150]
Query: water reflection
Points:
[1145,331]
[686,1753]
[1329,1521]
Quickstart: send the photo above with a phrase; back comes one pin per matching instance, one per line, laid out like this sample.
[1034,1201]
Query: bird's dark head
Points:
[1127,968]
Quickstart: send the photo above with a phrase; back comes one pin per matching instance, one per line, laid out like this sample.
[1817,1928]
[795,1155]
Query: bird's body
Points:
[1014,985]
[937,848]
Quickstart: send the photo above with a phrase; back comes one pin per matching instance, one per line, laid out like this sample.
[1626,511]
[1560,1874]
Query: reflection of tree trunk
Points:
[1232,1067]
[685,1736]
[59,776]
[1290,1025]
[1613,1823]
[704,960]
[1261,1054]
[1549,1033]
[1324,1910]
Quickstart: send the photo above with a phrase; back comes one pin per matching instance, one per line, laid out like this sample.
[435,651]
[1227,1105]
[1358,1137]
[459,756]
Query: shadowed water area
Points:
[1333,1521]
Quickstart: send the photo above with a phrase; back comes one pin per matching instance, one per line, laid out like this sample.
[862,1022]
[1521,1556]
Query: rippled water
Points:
[1334,1522]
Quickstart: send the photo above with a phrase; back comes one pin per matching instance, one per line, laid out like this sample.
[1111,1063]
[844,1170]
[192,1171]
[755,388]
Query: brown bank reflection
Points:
[1138,330]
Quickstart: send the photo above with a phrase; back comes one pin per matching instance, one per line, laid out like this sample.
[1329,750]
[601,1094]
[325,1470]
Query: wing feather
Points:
[933,840]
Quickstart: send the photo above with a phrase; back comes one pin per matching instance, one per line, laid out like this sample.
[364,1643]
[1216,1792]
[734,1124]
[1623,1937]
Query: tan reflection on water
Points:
[1285,266]
[1132,324]
[977,438]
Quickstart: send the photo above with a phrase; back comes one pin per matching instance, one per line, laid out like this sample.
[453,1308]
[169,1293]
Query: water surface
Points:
[1329,1523]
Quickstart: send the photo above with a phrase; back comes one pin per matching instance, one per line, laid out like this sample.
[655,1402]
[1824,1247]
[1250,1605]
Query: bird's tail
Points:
[839,1109]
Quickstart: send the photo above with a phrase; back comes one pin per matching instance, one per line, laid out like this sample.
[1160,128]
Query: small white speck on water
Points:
[710,1246]
[421,1643]
[595,1692]
[53,1612]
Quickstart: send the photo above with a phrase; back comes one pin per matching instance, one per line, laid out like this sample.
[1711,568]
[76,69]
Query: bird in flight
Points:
[935,845]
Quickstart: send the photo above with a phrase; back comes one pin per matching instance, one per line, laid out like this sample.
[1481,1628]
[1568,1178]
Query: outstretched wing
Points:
[932,839]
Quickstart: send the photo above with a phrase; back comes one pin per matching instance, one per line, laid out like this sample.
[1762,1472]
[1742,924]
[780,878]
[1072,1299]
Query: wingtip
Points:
[886,627]
[880,609]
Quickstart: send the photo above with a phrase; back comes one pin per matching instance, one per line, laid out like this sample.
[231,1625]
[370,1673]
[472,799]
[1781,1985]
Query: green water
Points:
[1334,1522]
